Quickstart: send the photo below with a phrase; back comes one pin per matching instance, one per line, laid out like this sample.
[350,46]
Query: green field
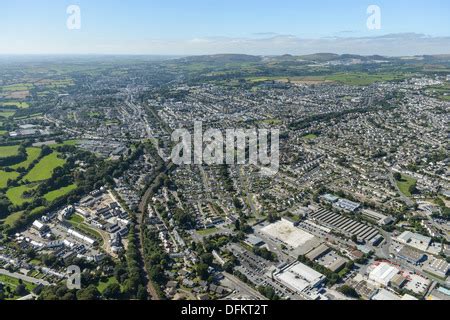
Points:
[12,218]
[3,132]
[13,283]
[8,151]
[17,87]
[32,154]
[310,136]
[65,143]
[103,285]
[352,78]
[20,105]
[44,169]
[53,195]
[7,114]
[5,176]
[15,195]
[405,183]
[207,232]
[77,219]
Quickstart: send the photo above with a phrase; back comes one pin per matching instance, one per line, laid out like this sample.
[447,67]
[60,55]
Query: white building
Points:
[383,273]
[414,240]
[300,278]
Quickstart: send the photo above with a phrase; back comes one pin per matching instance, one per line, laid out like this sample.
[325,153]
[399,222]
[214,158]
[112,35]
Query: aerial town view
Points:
[201,161]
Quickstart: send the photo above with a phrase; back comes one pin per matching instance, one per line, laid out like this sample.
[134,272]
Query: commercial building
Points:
[414,240]
[377,217]
[254,241]
[346,226]
[437,267]
[347,205]
[384,294]
[383,274]
[411,255]
[300,278]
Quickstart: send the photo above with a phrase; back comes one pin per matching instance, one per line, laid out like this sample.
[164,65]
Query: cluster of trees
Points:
[349,292]
[19,291]
[226,178]
[61,292]
[155,258]
[268,292]
[264,253]
[132,278]
[184,219]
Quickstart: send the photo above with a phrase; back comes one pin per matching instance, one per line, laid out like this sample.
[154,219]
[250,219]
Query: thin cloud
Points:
[389,45]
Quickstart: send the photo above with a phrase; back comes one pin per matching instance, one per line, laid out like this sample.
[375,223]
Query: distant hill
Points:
[222,58]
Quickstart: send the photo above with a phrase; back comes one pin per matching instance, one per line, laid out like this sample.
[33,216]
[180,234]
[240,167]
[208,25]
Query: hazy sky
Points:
[225,26]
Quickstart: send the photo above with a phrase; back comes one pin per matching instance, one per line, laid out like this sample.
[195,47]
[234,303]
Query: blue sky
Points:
[213,26]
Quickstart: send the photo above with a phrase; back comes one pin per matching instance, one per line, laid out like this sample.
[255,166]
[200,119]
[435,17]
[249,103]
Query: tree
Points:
[202,271]
[207,258]
[90,293]
[349,291]
[397,176]
[112,291]
[142,293]
[21,290]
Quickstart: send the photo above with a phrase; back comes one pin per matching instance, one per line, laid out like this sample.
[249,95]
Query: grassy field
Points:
[44,169]
[8,151]
[3,132]
[65,143]
[207,232]
[5,176]
[51,196]
[12,218]
[20,105]
[103,285]
[13,283]
[310,136]
[77,219]
[15,195]
[17,87]
[405,183]
[32,154]
[7,114]
[355,78]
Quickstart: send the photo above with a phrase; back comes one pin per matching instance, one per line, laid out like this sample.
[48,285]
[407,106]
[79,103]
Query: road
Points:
[24,277]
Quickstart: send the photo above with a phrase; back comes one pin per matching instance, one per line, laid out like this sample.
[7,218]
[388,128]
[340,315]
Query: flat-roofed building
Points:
[383,273]
[385,295]
[437,267]
[300,278]
[414,240]
[411,255]
[318,252]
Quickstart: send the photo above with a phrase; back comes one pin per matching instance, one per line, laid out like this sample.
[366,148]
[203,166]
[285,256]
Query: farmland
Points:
[32,155]
[16,194]
[44,169]
[5,176]
[8,151]
[53,195]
